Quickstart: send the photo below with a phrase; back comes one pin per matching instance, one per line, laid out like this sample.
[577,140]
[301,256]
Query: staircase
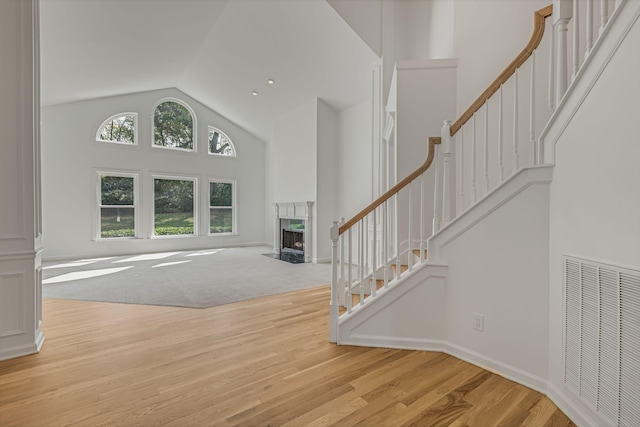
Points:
[482,293]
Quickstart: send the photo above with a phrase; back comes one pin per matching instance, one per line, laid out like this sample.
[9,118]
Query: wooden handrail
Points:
[396,188]
[538,31]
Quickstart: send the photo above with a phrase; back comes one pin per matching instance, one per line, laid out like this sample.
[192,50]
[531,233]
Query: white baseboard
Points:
[23,350]
[577,411]
[497,367]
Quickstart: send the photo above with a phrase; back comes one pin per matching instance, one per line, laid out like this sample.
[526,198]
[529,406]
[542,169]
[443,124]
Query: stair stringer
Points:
[407,315]
[416,312]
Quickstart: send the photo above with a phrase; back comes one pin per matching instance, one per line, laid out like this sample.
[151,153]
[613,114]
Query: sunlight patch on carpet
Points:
[79,275]
[147,257]
[205,253]
[165,264]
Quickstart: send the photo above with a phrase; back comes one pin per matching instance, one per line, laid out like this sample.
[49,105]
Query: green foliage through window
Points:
[220,144]
[117,211]
[173,204]
[173,126]
[220,207]
[119,129]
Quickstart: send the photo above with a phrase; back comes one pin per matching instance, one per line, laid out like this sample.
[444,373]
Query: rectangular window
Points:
[174,206]
[221,207]
[117,205]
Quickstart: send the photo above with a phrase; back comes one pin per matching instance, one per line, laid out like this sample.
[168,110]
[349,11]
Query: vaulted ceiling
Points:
[216,51]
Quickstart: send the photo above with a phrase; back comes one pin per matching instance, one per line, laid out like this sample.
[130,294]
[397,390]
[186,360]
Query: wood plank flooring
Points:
[263,362]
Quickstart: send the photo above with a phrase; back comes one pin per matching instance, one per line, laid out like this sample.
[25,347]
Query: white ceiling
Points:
[216,51]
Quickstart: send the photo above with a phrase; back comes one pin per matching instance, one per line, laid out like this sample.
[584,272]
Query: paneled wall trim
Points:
[20,278]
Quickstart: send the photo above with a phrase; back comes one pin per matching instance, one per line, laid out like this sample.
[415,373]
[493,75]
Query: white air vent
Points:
[602,338]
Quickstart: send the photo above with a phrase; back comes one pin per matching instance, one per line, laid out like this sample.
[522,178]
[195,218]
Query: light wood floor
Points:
[264,362]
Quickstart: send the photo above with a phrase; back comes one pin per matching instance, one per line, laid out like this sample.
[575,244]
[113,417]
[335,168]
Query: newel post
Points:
[333,306]
[447,159]
[562,13]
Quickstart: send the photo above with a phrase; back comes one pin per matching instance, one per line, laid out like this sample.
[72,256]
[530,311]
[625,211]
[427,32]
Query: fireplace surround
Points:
[292,231]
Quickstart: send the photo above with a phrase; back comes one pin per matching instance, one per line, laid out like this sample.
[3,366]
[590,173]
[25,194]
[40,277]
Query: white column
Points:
[20,211]
[447,188]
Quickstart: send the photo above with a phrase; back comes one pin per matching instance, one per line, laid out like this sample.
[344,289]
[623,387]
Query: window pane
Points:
[219,143]
[116,190]
[117,222]
[173,126]
[221,220]
[119,129]
[173,207]
[221,194]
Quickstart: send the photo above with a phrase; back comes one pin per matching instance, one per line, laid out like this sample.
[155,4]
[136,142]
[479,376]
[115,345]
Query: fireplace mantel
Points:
[293,210]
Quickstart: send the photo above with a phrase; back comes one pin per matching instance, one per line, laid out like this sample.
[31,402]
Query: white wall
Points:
[291,165]
[426,94]
[355,168]
[302,166]
[364,17]
[498,268]
[488,35]
[327,180]
[441,29]
[293,154]
[71,157]
[595,203]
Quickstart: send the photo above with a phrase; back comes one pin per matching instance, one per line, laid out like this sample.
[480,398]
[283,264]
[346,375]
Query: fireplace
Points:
[292,232]
[292,246]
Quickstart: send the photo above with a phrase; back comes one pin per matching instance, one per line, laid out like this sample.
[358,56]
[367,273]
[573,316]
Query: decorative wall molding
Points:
[516,184]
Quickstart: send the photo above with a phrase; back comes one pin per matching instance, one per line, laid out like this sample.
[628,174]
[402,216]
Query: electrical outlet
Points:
[478,322]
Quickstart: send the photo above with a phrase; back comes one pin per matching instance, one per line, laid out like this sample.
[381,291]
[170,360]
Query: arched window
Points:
[173,126]
[120,128]
[220,144]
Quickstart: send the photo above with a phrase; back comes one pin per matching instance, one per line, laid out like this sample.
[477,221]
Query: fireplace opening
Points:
[292,246]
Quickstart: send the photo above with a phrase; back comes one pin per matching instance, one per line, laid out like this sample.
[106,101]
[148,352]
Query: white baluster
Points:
[385,242]
[552,71]
[366,244]
[532,109]
[460,166]
[576,40]
[447,193]
[436,192]
[397,197]
[361,270]
[589,27]
[349,273]
[486,147]
[342,283]
[410,228]
[604,14]
[422,215]
[333,308]
[473,160]
[374,256]
[516,160]
[562,11]
[500,138]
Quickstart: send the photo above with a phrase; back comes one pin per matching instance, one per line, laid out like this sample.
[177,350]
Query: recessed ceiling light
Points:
[271,81]
[254,93]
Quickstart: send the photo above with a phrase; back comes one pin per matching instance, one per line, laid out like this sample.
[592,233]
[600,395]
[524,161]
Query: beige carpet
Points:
[196,279]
